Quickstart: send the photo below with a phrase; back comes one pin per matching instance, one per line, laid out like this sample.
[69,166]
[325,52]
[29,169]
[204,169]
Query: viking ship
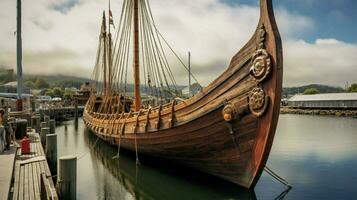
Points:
[226,129]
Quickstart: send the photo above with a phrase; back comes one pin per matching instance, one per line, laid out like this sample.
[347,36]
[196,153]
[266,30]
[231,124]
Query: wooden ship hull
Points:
[227,129]
[143,182]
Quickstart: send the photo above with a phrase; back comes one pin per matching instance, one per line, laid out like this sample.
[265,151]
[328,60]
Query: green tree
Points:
[311,91]
[68,93]
[29,84]
[352,88]
[49,92]
[58,92]
[41,84]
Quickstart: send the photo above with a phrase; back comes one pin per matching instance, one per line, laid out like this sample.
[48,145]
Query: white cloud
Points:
[327,61]
[293,25]
[211,30]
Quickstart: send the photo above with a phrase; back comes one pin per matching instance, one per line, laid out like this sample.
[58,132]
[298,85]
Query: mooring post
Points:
[46,119]
[51,152]
[75,109]
[67,177]
[21,128]
[33,106]
[52,126]
[35,123]
[43,125]
[38,125]
[44,131]
[2,139]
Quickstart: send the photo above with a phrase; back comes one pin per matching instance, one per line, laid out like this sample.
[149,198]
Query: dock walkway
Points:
[7,160]
[28,181]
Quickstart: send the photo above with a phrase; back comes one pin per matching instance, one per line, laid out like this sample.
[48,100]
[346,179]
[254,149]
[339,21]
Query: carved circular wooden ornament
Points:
[258,101]
[261,65]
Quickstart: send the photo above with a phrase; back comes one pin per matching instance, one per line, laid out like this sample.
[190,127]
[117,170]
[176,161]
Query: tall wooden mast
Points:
[109,51]
[105,55]
[136,57]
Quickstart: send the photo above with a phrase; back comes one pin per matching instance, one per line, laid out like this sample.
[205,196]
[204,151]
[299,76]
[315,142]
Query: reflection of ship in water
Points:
[160,180]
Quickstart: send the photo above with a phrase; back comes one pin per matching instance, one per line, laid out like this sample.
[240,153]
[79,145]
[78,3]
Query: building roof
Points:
[13,95]
[325,97]
[11,84]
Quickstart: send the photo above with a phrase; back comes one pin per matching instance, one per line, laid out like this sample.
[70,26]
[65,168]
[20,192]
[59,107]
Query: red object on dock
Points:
[25,145]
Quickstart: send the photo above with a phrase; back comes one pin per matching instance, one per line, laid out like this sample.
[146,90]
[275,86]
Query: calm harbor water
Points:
[317,155]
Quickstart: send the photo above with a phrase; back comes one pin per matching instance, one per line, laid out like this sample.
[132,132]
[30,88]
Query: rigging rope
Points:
[277,177]
[183,64]
[113,61]
[90,148]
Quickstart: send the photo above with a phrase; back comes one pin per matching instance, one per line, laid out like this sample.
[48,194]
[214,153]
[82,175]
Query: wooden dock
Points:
[7,160]
[32,176]
[62,112]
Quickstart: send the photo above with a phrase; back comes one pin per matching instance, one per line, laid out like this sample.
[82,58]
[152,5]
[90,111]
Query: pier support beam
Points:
[35,122]
[51,152]
[52,126]
[33,106]
[67,177]
[44,132]
[75,109]
[46,119]
[43,125]
[21,128]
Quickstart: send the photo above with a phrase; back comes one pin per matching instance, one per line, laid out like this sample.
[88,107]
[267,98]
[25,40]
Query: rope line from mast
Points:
[114,61]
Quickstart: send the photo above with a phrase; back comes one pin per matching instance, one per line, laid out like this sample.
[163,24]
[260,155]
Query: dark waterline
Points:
[317,155]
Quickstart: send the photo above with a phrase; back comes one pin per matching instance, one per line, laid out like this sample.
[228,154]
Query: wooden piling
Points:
[43,125]
[51,152]
[44,131]
[52,126]
[33,106]
[46,119]
[67,177]
[35,123]
[75,109]
[2,139]
[21,128]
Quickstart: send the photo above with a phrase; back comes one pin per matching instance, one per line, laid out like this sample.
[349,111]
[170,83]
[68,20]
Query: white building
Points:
[328,100]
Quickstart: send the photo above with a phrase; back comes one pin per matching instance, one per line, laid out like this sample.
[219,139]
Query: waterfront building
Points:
[11,87]
[328,100]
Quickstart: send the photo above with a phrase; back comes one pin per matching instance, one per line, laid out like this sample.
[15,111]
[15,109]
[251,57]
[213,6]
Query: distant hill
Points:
[290,91]
[58,80]
[71,81]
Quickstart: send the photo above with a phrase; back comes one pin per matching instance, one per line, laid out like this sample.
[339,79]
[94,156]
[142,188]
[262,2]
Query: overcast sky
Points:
[60,36]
